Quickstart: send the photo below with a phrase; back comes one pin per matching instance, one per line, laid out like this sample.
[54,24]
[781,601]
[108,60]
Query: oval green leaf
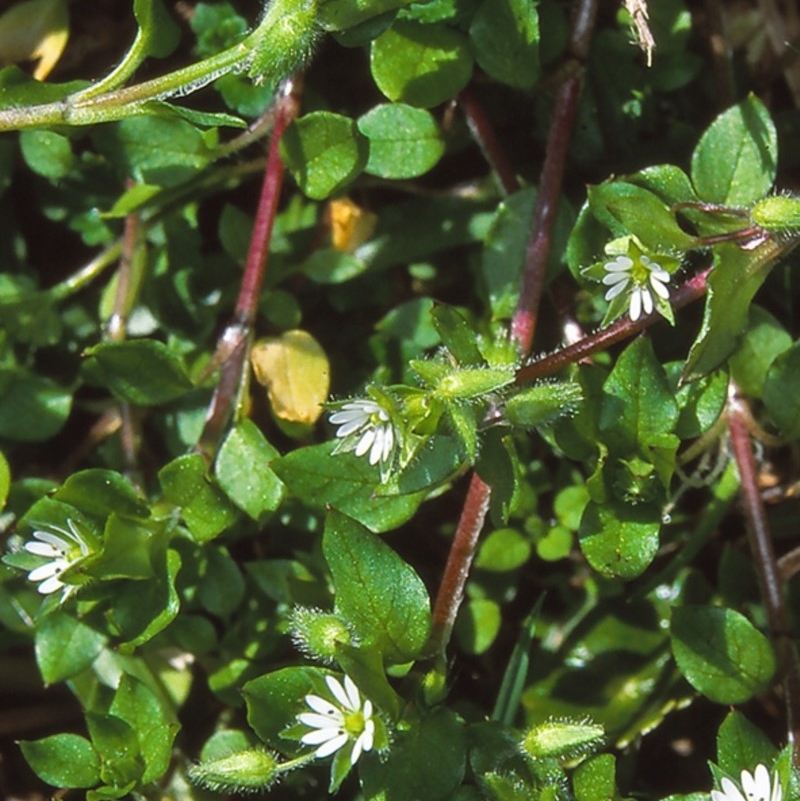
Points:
[64,760]
[404,142]
[324,152]
[422,65]
[721,653]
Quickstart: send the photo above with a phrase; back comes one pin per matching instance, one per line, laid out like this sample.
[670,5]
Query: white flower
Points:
[755,787]
[644,275]
[333,725]
[365,425]
[61,550]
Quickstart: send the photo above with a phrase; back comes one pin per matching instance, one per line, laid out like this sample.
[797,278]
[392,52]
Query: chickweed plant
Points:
[399,400]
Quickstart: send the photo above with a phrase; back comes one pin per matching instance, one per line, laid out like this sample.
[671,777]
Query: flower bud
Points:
[248,771]
[779,213]
[542,404]
[317,633]
[562,739]
[474,382]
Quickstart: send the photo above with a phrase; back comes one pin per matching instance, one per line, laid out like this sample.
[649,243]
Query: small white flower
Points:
[365,426]
[333,725]
[643,275]
[61,550]
[758,786]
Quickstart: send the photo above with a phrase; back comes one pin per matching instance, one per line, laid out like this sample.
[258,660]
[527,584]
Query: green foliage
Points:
[307,594]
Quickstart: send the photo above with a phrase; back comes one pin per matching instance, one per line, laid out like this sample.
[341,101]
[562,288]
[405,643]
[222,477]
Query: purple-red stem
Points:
[483,132]
[476,505]
[233,345]
[766,566]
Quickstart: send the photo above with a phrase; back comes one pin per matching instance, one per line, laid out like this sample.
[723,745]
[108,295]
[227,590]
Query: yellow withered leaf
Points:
[351,225]
[296,372]
[35,30]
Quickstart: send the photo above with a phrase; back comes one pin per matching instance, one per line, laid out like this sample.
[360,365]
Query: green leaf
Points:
[721,653]
[700,402]
[100,493]
[274,701]
[154,724]
[205,510]
[595,779]
[144,608]
[242,470]
[344,482]
[404,142]
[63,760]
[118,747]
[782,391]
[142,371]
[221,587]
[505,38]
[735,160]
[477,625]
[5,479]
[32,408]
[620,539]
[164,151]
[457,335]
[638,405]
[428,761]
[504,549]
[733,283]
[48,154]
[498,465]
[376,591]
[764,340]
[324,152]
[422,65]
[641,213]
[543,404]
[65,646]
[339,15]
[740,744]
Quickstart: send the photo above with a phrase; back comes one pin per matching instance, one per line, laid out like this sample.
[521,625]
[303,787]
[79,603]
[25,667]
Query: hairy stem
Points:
[766,566]
[233,346]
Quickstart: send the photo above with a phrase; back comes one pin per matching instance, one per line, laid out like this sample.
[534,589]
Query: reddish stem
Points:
[481,128]
[476,505]
[765,563]
[459,561]
[233,345]
[692,289]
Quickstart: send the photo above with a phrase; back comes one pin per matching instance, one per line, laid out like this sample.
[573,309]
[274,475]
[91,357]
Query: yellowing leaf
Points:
[295,370]
[351,225]
[34,30]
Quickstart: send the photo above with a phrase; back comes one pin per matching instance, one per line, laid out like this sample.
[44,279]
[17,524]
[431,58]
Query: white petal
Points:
[348,416]
[659,288]
[365,443]
[338,691]
[368,735]
[326,749]
[615,290]
[43,549]
[620,264]
[636,304]
[777,790]
[321,721]
[345,429]
[51,585]
[353,697]
[616,278]
[322,736]
[46,571]
[322,705]
[53,539]
[757,787]
[376,451]
[367,711]
[356,752]
[647,300]
[388,443]
[730,792]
